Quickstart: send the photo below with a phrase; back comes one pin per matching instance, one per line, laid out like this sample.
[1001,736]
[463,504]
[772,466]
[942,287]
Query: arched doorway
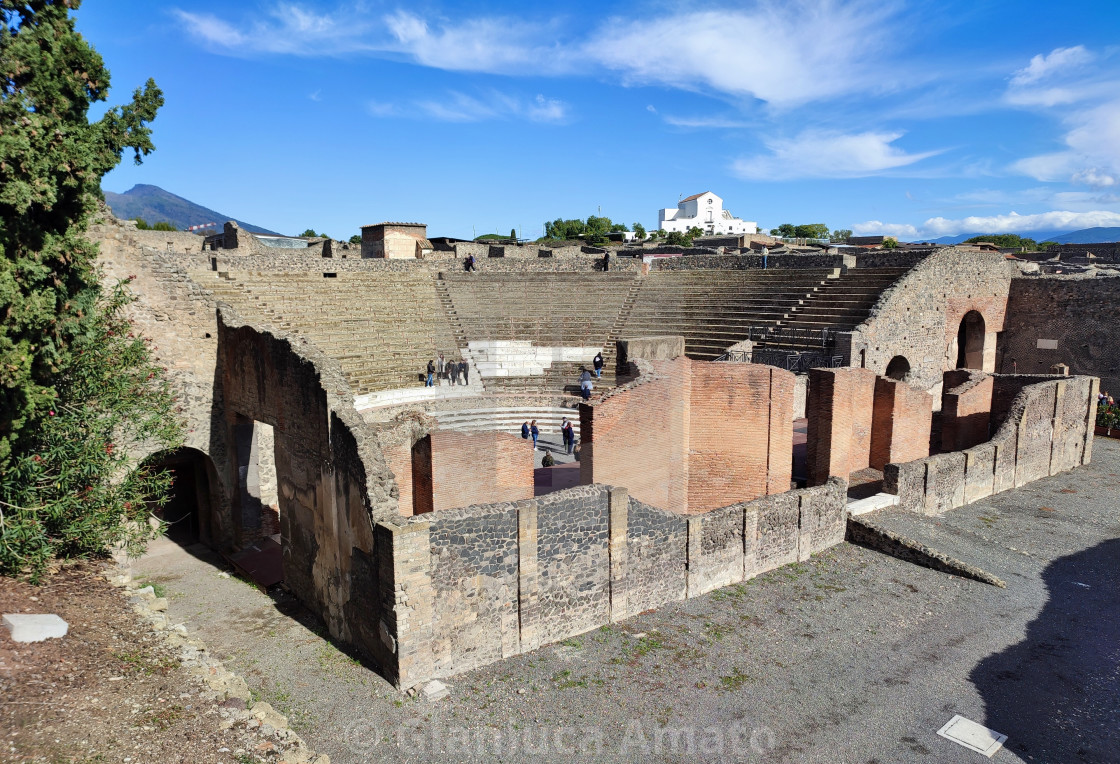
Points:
[970,341]
[187,510]
[898,368]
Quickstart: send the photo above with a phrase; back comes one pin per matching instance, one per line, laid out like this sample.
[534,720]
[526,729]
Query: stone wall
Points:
[506,578]
[1043,428]
[1063,319]
[919,316]
[710,434]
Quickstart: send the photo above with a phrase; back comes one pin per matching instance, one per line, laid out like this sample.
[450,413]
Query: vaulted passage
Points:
[187,511]
[970,341]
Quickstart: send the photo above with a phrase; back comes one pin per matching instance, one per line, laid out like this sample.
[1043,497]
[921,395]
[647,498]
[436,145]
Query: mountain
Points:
[1089,236]
[1084,236]
[156,206]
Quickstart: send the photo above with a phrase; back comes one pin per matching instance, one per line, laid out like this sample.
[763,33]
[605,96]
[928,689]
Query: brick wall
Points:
[710,434]
[1045,428]
[900,423]
[839,409]
[476,467]
[1063,319]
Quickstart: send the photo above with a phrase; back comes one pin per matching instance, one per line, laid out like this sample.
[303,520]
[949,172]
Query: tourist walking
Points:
[568,435]
[598,364]
[440,368]
[525,430]
[585,385]
[535,433]
[470,264]
[431,373]
[466,369]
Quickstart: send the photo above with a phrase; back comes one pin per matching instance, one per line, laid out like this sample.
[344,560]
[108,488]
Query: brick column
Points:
[618,521]
[404,564]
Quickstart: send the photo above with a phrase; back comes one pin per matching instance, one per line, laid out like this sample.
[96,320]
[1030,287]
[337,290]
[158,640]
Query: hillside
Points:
[1083,236]
[156,205]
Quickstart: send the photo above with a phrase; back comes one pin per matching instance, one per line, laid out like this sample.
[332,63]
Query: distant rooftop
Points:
[414,225]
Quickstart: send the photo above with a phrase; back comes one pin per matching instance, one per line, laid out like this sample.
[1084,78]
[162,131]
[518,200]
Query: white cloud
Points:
[705,122]
[783,53]
[1093,154]
[878,227]
[826,154]
[460,107]
[1056,220]
[1058,60]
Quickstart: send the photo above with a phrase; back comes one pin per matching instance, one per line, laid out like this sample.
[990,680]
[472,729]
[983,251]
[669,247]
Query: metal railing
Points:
[792,335]
[784,359]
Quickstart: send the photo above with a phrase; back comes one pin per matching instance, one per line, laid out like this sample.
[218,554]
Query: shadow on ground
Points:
[1056,694]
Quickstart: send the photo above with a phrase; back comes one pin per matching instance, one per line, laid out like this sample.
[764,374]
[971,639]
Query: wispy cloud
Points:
[1056,220]
[782,53]
[827,154]
[1059,60]
[1092,153]
[713,122]
[460,107]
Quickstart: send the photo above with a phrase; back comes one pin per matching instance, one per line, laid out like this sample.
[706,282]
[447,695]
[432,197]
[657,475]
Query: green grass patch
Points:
[735,680]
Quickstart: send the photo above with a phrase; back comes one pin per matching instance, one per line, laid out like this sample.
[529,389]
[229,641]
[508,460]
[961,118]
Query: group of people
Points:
[529,429]
[585,384]
[454,372]
[1104,399]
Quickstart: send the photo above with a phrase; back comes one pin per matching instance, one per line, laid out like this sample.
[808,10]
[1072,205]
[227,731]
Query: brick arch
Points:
[991,311]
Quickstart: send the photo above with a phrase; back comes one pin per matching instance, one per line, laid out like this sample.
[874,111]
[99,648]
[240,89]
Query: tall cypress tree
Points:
[74,381]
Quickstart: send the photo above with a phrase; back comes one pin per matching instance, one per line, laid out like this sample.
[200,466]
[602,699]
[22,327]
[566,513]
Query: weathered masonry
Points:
[407,517]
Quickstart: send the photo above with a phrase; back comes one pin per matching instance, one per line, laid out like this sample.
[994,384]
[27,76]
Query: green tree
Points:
[811,231]
[71,386]
[890,242]
[513,234]
[1045,245]
[565,229]
[678,239]
[841,235]
[310,234]
[356,239]
[1006,240]
[639,231]
[785,231]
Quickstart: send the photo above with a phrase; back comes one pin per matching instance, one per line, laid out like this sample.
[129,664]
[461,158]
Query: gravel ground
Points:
[850,657]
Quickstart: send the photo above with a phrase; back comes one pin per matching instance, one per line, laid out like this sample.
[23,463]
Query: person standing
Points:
[465,368]
[598,364]
[440,367]
[470,264]
[534,432]
[431,373]
[525,430]
[568,434]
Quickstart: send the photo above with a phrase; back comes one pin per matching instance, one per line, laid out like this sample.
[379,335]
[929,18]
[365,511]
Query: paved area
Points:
[851,657]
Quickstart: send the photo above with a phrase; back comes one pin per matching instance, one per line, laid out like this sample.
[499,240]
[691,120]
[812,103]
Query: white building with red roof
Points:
[704,211]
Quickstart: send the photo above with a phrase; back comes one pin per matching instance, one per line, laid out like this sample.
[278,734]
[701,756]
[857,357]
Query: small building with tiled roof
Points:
[704,211]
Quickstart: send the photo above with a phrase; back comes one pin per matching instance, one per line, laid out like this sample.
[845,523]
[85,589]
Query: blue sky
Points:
[916,118]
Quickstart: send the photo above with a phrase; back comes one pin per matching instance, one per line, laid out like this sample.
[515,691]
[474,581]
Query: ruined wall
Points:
[859,420]
[966,403]
[1063,319]
[711,434]
[1046,428]
[839,407]
[900,423]
[506,578]
[919,316]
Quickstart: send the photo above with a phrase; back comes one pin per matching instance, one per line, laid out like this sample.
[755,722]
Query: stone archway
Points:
[970,341]
[191,497]
[898,368]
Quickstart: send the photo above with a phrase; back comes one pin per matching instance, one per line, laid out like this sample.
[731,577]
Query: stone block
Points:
[35,627]
[907,481]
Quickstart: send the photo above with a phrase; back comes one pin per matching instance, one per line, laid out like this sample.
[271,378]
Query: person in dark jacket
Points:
[525,430]
[568,435]
[535,433]
[431,373]
[598,364]
[465,368]
[470,264]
